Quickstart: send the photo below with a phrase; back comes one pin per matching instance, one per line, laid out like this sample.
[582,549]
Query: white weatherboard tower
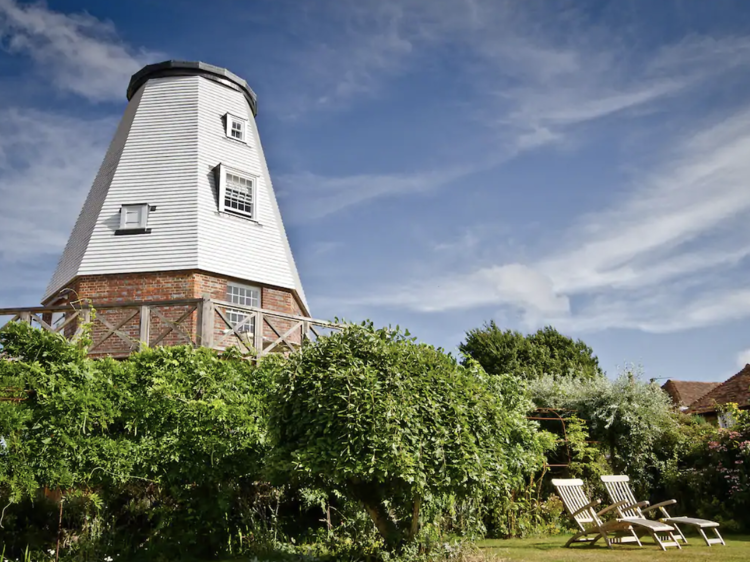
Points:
[183,205]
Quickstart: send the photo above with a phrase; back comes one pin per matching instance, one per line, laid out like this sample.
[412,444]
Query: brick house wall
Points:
[172,285]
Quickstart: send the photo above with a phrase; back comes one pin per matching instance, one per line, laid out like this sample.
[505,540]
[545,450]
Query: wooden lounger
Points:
[592,527]
[619,487]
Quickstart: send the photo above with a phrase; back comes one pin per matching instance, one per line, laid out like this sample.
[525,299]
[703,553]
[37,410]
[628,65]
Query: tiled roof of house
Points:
[684,393]
[735,389]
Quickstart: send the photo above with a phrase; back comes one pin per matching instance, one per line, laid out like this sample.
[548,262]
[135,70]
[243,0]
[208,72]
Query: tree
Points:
[393,423]
[545,352]
[633,422]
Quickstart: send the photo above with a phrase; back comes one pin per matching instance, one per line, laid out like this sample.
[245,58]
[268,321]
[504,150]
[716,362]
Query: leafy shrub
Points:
[712,480]
[634,422]
[164,444]
[395,424]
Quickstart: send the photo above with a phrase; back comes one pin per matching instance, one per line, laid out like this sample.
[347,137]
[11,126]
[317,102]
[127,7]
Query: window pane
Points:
[243,296]
[236,129]
[236,318]
[239,194]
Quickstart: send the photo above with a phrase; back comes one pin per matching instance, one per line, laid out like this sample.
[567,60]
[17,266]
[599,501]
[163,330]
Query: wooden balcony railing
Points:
[118,329]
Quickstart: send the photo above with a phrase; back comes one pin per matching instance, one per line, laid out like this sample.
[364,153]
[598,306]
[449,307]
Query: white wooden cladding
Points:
[254,250]
[70,261]
[170,140]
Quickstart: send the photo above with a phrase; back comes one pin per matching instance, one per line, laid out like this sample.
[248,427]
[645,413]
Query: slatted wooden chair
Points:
[620,486]
[630,510]
[592,527]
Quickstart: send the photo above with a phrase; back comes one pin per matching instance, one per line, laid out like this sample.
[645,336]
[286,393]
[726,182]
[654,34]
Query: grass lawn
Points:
[550,549]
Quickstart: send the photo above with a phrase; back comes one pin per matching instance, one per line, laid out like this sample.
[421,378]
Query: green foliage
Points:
[587,460]
[633,421]
[544,352]
[526,512]
[395,424]
[712,480]
[167,437]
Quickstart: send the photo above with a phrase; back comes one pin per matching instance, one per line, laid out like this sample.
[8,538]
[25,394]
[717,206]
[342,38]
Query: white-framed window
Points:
[134,217]
[236,127]
[236,192]
[242,295]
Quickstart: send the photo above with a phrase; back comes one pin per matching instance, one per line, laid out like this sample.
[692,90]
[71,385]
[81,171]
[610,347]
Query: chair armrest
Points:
[639,504]
[611,507]
[587,506]
[658,505]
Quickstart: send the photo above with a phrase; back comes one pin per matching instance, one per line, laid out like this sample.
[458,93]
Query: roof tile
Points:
[735,389]
[684,393]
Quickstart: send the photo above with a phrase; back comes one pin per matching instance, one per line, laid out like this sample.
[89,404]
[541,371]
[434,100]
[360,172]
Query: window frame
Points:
[142,224]
[222,172]
[248,327]
[246,287]
[229,120]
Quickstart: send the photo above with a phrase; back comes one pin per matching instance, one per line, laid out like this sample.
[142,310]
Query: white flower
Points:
[108,559]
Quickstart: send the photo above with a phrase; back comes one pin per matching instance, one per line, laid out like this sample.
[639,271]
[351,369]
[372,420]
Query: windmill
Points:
[183,208]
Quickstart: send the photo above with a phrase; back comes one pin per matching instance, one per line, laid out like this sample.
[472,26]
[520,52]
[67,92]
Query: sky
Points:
[438,163]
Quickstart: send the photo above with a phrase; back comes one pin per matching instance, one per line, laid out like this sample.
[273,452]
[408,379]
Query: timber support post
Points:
[206,322]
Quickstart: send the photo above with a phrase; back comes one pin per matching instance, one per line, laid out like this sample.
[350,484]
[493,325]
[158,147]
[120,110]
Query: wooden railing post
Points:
[258,336]
[84,317]
[144,336]
[305,331]
[206,322]
[25,317]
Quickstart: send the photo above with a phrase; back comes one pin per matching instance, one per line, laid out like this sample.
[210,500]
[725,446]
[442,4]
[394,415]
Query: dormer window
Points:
[236,192]
[236,127]
[134,219]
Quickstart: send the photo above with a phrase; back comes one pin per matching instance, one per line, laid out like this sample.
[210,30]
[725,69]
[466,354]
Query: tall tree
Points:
[545,352]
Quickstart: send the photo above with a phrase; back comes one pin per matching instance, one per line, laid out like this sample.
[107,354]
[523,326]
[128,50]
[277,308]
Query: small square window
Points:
[134,217]
[236,192]
[236,128]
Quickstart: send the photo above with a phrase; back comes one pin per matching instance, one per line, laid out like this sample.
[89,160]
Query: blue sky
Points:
[438,163]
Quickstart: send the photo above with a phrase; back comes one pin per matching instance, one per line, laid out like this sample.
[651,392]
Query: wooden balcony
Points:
[119,328]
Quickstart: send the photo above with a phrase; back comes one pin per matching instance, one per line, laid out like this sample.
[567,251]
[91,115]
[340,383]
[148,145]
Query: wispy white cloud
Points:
[522,81]
[699,189]
[47,163]
[513,284]
[319,196]
[76,52]
[652,260]
[48,159]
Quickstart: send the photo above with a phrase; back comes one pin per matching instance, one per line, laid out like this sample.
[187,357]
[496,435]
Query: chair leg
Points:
[708,541]
[718,536]
[670,540]
[637,538]
[679,531]
[674,540]
[658,541]
[574,538]
[603,535]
